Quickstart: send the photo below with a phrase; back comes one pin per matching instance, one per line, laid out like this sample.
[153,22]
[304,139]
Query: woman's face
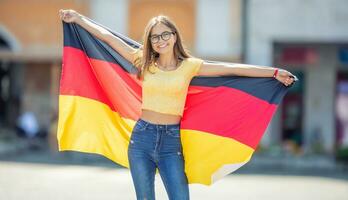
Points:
[162,39]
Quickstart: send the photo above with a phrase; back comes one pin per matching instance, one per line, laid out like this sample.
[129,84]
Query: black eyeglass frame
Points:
[162,35]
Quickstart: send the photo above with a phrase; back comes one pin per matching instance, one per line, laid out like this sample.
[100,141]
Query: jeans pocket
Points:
[173,133]
[139,126]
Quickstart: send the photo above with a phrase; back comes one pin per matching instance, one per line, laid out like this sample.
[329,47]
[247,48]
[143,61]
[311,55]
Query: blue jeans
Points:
[155,146]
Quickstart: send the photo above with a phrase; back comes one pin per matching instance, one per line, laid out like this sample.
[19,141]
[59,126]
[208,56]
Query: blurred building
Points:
[30,58]
[309,38]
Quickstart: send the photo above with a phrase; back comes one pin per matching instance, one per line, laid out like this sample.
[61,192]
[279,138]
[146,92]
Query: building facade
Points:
[308,38]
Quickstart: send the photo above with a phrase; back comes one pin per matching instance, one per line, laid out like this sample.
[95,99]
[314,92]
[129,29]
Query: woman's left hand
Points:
[285,77]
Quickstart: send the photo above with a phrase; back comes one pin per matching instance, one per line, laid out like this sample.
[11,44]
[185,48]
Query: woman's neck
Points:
[167,61]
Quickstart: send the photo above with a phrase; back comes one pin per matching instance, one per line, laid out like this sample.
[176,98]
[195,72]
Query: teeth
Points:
[162,46]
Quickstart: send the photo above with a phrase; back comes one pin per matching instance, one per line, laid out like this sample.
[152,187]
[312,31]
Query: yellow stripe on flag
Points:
[207,156]
[87,125]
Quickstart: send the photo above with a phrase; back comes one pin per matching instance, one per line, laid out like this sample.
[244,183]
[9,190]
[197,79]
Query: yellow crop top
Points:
[165,91]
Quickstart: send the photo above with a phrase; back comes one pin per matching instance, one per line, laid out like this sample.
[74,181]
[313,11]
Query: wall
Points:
[301,21]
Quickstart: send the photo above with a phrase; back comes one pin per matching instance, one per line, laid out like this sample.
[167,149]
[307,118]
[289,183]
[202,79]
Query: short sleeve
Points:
[196,65]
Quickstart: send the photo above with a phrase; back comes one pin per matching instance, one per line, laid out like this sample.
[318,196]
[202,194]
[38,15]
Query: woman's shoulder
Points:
[194,64]
[194,61]
[137,54]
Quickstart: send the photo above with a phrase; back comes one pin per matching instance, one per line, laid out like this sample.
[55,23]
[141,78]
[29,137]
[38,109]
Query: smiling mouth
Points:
[162,46]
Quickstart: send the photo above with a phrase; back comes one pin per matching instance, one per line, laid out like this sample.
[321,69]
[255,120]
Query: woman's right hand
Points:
[69,16]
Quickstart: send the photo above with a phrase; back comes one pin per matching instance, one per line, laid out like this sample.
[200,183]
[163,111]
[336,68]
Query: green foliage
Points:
[342,154]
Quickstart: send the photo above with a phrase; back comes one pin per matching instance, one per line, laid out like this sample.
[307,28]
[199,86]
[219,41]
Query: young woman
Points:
[166,70]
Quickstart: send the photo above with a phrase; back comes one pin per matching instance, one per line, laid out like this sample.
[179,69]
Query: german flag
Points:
[100,100]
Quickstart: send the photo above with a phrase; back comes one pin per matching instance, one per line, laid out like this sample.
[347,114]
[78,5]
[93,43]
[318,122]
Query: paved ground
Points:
[32,171]
[21,180]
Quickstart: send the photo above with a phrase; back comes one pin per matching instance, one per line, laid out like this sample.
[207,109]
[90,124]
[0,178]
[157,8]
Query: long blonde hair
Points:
[149,55]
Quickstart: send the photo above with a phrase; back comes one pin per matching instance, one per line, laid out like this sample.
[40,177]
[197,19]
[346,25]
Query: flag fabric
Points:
[100,100]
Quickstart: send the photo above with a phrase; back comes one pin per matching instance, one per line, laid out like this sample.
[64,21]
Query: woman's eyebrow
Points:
[161,32]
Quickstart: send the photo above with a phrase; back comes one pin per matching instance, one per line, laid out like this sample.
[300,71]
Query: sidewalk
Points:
[34,181]
[17,149]
[310,165]
[11,144]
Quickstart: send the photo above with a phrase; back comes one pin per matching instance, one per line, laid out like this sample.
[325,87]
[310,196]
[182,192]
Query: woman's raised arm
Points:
[224,69]
[127,51]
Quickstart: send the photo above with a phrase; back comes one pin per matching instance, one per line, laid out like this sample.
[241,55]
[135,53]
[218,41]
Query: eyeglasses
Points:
[165,36]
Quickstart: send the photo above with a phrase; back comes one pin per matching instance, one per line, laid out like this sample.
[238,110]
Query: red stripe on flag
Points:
[234,107]
[115,87]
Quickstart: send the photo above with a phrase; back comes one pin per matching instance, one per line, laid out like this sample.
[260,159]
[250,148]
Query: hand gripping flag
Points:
[100,100]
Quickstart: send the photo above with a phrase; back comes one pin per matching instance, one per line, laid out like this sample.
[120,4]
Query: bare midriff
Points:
[159,118]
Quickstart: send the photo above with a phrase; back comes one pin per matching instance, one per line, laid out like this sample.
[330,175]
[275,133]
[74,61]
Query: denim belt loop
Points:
[165,127]
[161,127]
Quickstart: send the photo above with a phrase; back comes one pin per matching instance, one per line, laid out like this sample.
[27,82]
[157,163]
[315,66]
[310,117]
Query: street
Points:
[20,180]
